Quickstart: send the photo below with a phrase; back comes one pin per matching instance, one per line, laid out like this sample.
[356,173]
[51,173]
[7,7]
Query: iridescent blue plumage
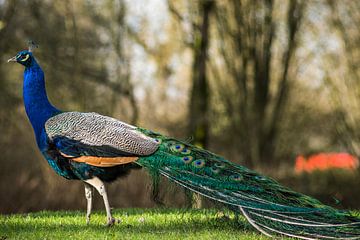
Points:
[39,109]
[95,148]
[37,105]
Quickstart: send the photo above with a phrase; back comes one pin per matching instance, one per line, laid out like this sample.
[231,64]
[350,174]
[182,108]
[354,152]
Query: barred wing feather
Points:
[90,134]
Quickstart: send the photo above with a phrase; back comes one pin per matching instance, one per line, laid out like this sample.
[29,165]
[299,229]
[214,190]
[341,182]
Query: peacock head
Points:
[24,57]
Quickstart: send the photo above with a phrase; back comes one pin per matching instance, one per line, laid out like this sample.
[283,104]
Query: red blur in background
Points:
[326,161]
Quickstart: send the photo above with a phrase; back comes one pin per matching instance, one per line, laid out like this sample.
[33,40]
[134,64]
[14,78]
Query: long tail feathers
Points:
[269,207]
[301,223]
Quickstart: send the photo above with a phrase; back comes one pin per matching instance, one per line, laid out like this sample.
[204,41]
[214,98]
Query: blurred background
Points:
[272,85]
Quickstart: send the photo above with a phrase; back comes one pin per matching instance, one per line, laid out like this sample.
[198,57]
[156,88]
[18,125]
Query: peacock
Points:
[95,149]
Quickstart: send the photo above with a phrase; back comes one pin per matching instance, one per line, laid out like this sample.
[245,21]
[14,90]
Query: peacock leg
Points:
[89,198]
[100,187]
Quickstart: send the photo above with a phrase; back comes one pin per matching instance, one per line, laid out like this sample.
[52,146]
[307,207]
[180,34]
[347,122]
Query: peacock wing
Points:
[97,140]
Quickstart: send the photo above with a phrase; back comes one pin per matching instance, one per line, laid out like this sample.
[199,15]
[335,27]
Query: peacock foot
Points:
[110,221]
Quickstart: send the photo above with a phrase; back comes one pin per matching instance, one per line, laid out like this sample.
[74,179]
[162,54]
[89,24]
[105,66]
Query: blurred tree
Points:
[112,22]
[254,97]
[199,98]
[345,86]
[7,13]
[8,99]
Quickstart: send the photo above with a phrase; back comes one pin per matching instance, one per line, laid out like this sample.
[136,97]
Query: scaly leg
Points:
[89,198]
[100,187]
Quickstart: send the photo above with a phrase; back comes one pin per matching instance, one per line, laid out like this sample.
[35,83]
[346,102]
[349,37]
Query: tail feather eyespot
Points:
[186,151]
[199,163]
[177,147]
[187,159]
[220,165]
[260,178]
[170,143]
[236,178]
[215,170]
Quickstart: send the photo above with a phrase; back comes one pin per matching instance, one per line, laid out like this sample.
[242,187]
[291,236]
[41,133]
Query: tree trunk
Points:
[199,99]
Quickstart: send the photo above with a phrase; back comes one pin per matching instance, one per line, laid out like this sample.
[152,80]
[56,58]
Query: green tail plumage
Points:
[268,206]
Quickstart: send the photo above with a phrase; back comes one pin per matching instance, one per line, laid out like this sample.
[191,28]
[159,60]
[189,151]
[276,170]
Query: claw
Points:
[110,222]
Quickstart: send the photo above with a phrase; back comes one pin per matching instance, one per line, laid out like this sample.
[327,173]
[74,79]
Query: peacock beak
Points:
[13,59]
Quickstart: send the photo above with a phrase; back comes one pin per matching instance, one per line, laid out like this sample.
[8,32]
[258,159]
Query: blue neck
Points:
[37,105]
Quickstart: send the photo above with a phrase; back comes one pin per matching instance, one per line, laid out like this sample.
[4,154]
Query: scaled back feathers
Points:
[108,136]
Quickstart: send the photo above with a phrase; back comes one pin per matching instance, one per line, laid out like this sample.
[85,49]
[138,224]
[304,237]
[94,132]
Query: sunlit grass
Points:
[134,224]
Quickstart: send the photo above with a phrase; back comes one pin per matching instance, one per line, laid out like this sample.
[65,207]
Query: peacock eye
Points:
[24,57]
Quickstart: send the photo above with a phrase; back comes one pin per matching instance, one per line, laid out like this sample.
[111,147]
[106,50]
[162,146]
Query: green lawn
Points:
[135,224]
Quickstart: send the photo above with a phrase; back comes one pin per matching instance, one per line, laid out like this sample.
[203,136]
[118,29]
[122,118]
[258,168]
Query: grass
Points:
[135,224]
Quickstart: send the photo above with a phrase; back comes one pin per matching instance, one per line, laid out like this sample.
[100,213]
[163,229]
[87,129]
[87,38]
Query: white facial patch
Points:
[26,58]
